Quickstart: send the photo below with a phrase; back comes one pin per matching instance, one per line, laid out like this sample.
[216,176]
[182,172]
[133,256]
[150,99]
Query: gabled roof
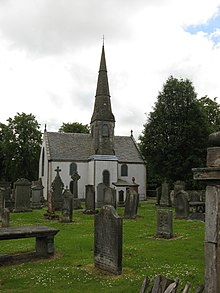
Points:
[78,147]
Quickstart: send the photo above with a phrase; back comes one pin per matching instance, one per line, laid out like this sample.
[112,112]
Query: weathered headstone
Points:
[22,195]
[109,197]
[7,193]
[165,194]
[178,186]
[131,205]
[2,198]
[57,189]
[67,209]
[121,199]
[77,204]
[50,214]
[90,200]
[75,177]
[211,176]
[37,195]
[158,194]
[100,194]
[164,224]
[182,205]
[108,241]
[5,218]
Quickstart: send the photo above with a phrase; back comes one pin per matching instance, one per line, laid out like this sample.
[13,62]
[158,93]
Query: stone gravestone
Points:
[108,241]
[2,198]
[211,176]
[164,224]
[5,218]
[178,185]
[76,204]
[7,193]
[57,189]
[165,194]
[109,196]
[37,195]
[100,194]
[75,177]
[182,205]
[50,214]
[22,195]
[158,194]
[131,205]
[90,200]
[67,209]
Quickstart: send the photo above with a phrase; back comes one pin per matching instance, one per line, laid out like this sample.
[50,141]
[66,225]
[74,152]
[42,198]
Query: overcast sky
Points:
[50,52]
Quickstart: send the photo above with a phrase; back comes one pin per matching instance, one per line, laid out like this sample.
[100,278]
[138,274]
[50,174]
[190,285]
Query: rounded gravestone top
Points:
[214,139]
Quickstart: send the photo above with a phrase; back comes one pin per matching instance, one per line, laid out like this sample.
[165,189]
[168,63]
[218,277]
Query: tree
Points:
[211,110]
[175,136]
[74,128]
[20,147]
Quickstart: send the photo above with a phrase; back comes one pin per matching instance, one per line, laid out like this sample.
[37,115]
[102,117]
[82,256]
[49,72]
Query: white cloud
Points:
[50,52]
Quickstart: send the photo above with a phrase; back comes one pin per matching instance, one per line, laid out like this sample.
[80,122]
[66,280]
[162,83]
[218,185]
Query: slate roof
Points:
[78,147]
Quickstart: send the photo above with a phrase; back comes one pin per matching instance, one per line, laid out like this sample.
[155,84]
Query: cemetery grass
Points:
[72,269]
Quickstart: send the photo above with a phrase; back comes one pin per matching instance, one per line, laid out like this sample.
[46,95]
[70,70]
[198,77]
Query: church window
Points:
[73,168]
[105,130]
[106,177]
[124,170]
[42,163]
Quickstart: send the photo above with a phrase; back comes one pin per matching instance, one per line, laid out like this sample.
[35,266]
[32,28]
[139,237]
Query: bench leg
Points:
[45,246]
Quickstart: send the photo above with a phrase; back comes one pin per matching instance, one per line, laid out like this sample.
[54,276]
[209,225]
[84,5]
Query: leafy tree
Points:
[74,128]
[174,139]
[20,147]
[211,110]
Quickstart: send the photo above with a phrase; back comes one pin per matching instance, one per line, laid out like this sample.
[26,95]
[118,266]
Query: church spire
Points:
[103,121]
[102,108]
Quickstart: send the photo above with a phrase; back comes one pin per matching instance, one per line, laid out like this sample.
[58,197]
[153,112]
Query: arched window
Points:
[106,177]
[42,163]
[124,170]
[73,168]
[105,130]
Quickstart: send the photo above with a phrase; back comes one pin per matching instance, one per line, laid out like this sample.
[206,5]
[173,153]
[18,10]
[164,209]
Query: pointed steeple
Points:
[102,109]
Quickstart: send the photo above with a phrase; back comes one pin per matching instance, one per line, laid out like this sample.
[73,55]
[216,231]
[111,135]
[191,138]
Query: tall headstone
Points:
[164,224]
[57,189]
[165,194]
[158,194]
[67,209]
[131,205]
[109,197]
[37,194]
[211,176]
[90,200]
[121,199]
[22,195]
[182,205]
[100,194]
[108,241]
[178,186]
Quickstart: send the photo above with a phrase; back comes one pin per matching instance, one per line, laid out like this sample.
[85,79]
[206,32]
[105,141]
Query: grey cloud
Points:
[53,26]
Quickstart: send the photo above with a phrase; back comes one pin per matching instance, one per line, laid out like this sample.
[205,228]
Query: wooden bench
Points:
[44,237]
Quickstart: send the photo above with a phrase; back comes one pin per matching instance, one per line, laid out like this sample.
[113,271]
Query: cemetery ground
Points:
[72,267]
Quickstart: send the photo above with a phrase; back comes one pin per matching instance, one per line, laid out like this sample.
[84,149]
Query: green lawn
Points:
[72,270]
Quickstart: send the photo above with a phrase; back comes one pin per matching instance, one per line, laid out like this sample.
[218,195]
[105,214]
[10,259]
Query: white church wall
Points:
[138,171]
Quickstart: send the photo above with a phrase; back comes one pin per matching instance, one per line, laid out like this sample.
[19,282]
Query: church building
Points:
[97,158]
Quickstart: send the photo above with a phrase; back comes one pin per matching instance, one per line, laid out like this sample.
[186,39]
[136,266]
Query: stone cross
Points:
[75,178]
[211,175]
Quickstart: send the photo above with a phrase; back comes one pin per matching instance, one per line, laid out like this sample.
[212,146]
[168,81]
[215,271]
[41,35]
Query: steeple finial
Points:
[103,40]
